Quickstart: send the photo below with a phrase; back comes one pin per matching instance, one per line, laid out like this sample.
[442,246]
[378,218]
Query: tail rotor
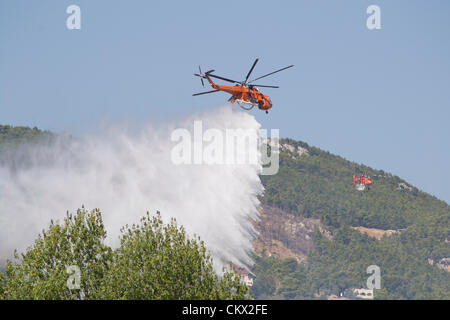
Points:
[202,75]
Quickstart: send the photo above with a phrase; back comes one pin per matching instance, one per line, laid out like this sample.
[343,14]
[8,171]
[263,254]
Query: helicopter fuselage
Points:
[244,95]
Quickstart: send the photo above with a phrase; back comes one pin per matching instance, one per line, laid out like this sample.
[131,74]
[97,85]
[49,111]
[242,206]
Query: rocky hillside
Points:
[318,234]
[284,235]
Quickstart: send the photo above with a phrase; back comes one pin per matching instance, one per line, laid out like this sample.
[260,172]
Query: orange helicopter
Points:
[243,92]
[362,181]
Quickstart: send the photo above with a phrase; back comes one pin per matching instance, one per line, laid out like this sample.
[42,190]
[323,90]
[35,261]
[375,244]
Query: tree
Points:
[154,261]
[159,261]
[42,272]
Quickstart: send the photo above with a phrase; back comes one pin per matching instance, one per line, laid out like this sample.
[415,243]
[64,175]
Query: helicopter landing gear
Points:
[249,108]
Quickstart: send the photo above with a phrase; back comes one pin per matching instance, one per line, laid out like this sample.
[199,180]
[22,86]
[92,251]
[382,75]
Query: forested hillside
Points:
[318,212]
[314,183]
[320,184]
[10,135]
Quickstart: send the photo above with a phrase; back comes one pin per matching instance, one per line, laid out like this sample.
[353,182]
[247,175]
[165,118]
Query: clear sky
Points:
[378,97]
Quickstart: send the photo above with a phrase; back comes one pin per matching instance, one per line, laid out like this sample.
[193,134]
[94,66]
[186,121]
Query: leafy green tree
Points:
[42,271]
[154,261]
[159,261]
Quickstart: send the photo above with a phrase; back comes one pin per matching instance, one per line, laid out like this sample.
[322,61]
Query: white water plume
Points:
[126,173]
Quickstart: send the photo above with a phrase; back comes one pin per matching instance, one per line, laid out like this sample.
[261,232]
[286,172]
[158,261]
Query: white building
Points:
[363,293]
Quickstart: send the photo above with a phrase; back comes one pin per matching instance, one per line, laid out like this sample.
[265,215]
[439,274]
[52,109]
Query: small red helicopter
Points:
[362,181]
[243,92]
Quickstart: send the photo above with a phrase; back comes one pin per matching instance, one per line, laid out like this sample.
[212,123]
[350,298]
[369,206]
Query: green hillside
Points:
[319,184]
[316,184]
[10,135]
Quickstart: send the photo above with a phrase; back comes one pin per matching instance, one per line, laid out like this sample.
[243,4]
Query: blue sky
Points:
[378,97]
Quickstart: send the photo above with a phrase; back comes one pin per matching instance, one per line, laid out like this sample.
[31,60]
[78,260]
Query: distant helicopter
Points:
[362,181]
[243,92]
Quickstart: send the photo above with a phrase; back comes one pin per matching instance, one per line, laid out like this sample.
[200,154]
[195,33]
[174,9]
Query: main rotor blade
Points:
[272,73]
[263,86]
[201,78]
[251,69]
[200,93]
[222,78]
